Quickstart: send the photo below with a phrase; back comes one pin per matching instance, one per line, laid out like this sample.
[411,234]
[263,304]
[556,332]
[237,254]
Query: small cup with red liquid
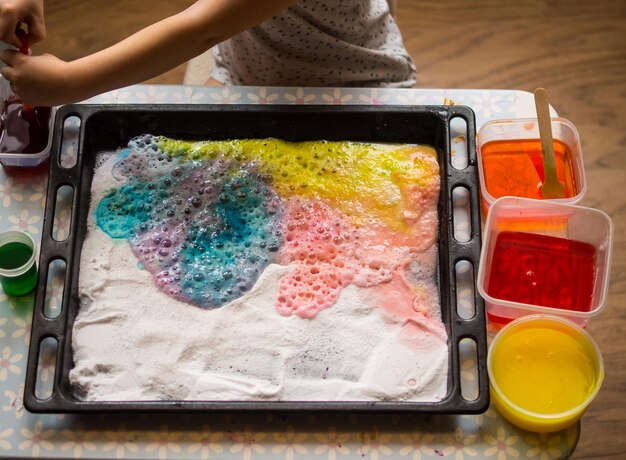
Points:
[25,132]
[541,256]
[510,160]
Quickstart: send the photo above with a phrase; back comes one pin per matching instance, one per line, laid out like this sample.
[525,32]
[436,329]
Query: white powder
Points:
[132,342]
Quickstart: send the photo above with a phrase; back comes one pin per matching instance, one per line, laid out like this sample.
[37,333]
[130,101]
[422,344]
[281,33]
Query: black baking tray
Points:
[109,127]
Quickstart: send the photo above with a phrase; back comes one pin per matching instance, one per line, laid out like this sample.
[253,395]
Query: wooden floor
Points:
[575,49]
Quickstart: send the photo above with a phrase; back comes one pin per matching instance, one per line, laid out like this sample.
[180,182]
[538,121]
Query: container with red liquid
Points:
[510,160]
[541,256]
[25,132]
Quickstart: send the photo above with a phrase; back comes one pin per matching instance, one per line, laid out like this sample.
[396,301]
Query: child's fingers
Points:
[10,57]
[7,31]
[36,31]
[8,73]
[11,40]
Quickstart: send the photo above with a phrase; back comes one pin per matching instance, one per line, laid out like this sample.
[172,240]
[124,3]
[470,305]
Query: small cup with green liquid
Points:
[18,270]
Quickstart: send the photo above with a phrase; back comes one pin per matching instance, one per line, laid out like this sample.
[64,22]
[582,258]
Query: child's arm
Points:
[47,80]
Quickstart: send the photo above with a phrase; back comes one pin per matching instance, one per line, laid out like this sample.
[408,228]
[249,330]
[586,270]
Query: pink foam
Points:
[330,252]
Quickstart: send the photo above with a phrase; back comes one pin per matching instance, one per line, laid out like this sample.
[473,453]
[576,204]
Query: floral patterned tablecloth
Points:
[259,435]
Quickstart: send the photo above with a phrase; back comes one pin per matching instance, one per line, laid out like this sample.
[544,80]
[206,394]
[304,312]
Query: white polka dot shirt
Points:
[319,43]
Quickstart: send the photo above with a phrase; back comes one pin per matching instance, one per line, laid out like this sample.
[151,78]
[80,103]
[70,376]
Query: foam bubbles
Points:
[206,218]
[204,229]
[330,252]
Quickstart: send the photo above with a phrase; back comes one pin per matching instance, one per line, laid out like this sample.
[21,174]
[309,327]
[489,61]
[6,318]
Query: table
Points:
[250,436]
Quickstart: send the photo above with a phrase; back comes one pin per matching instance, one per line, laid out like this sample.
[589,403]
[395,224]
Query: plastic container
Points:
[510,162]
[18,270]
[554,252]
[544,371]
[25,160]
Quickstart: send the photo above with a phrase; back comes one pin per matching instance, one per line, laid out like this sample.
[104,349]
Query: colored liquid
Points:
[546,370]
[23,131]
[543,270]
[515,168]
[14,255]
[206,218]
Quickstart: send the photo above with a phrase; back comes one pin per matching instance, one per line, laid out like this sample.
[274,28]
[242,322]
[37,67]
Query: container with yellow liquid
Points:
[543,372]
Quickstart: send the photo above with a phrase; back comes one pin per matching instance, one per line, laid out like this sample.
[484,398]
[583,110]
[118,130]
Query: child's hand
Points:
[14,12]
[38,80]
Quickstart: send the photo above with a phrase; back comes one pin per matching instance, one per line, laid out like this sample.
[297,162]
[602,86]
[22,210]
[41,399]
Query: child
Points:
[270,42]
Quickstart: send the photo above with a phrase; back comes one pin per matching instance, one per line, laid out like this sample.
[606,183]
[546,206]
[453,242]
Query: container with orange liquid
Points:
[510,160]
